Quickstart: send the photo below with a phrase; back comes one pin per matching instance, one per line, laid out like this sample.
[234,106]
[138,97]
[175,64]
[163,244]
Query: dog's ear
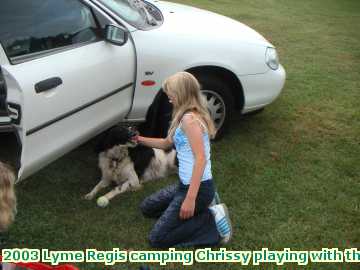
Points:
[104,141]
[100,143]
[114,136]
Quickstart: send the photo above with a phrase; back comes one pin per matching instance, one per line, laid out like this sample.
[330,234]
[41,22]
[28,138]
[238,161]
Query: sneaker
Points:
[222,220]
[216,199]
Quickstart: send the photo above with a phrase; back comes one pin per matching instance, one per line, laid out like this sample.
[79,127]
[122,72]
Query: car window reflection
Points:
[39,25]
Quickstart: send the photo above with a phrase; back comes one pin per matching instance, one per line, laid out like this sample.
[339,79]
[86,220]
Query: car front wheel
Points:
[219,102]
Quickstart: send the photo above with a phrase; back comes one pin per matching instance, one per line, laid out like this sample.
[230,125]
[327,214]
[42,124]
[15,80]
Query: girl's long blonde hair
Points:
[187,97]
[7,197]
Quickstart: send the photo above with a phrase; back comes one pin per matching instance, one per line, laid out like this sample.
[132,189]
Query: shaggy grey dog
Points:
[129,165]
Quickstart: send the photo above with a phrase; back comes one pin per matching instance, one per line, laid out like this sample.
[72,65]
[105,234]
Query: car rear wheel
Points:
[220,102]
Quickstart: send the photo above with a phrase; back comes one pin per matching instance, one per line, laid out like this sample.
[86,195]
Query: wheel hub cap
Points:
[216,107]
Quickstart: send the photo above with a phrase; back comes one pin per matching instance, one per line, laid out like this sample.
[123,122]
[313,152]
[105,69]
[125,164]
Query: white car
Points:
[71,69]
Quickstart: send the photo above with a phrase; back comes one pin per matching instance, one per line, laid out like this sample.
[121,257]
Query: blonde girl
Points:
[7,197]
[185,218]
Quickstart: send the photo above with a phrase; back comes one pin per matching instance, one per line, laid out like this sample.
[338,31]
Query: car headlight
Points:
[271,58]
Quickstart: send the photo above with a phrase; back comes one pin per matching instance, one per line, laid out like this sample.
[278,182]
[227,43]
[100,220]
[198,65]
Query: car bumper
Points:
[262,89]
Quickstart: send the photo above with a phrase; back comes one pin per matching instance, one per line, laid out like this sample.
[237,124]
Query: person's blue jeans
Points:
[170,230]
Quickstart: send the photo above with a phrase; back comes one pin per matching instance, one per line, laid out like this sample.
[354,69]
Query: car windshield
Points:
[133,11]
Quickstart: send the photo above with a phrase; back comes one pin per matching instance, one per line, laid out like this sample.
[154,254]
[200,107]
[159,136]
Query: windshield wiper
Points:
[141,6]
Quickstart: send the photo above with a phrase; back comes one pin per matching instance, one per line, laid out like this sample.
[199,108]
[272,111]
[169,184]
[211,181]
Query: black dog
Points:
[128,164]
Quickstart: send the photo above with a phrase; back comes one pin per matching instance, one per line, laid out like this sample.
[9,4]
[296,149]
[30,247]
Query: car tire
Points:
[220,102]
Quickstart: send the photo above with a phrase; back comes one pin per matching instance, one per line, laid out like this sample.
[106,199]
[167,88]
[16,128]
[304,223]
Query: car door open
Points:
[69,82]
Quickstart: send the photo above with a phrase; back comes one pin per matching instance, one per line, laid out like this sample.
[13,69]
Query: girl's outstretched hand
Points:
[135,138]
[134,135]
[187,208]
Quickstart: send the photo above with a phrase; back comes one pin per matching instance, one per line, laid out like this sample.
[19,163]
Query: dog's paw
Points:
[135,188]
[88,197]
[102,201]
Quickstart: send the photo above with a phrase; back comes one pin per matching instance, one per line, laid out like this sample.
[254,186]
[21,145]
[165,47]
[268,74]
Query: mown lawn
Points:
[290,175]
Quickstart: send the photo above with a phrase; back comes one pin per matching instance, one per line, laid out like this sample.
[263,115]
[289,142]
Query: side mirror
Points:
[116,35]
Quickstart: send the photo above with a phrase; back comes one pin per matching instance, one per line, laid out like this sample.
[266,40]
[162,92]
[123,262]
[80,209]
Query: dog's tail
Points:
[7,197]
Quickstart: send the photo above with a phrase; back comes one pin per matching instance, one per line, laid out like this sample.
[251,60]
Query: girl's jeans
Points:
[170,230]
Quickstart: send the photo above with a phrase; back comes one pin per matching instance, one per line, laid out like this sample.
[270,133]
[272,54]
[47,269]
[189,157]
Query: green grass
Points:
[289,175]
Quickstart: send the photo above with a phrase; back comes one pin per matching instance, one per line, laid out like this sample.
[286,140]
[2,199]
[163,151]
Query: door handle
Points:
[47,84]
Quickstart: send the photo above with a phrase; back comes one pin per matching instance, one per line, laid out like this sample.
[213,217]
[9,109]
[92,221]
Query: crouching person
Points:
[186,217]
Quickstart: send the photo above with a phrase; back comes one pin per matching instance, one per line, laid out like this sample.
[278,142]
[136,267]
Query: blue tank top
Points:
[186,156]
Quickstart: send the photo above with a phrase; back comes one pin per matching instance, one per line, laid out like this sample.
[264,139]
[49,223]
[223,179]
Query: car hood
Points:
[186,20]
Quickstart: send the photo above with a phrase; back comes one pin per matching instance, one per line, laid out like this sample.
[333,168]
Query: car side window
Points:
[32,27]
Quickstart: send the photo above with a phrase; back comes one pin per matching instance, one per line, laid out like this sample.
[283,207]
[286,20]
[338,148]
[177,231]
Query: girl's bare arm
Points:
[155,142]
[194,134]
